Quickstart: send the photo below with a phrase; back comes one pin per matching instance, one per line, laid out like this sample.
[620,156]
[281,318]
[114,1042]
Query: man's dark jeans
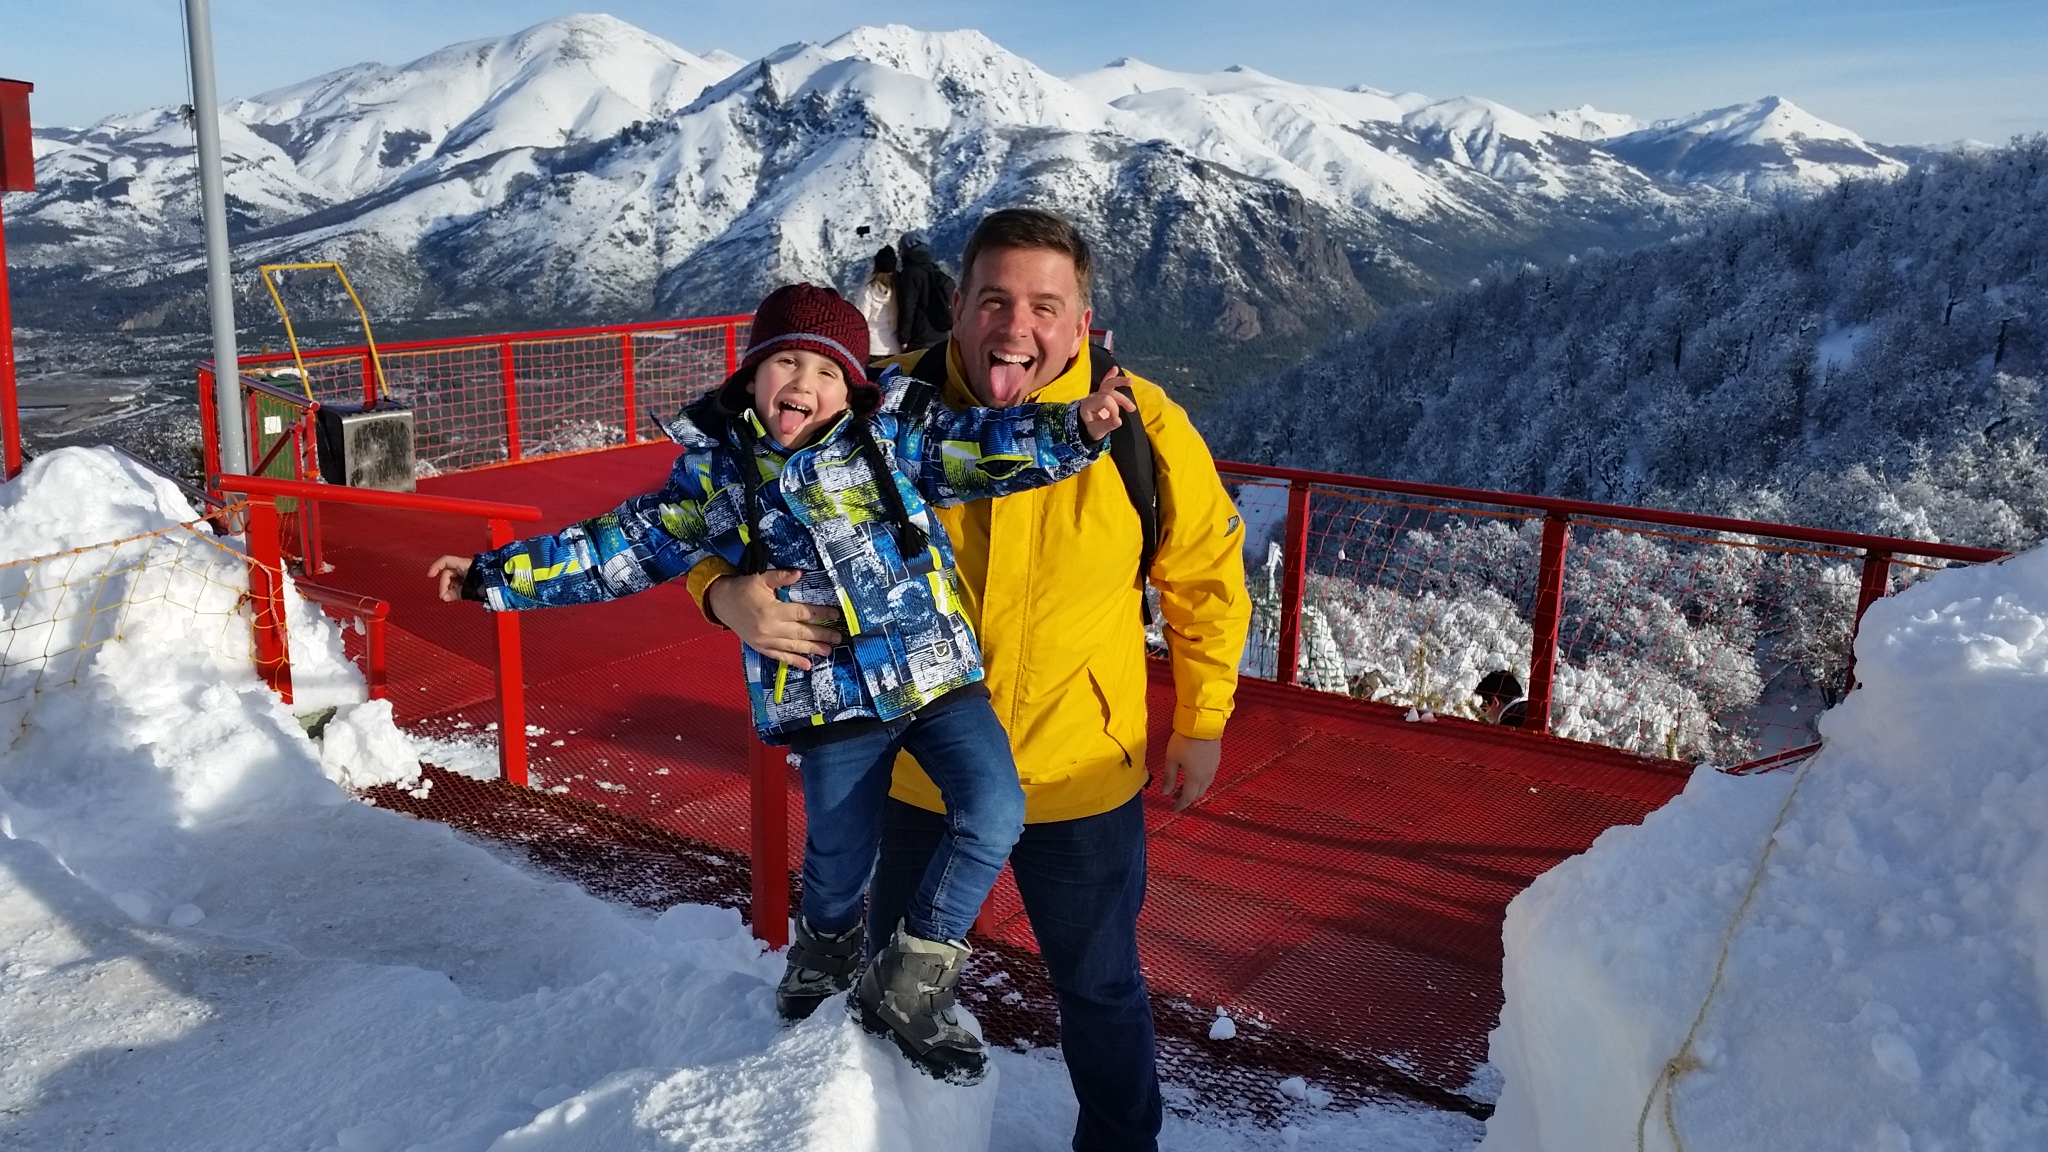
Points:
[846,779]
[1083,882]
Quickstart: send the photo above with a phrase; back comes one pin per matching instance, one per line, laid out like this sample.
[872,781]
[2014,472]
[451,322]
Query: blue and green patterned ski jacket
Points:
[908,641]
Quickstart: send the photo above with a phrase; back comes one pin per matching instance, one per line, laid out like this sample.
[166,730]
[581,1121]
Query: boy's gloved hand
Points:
[449,572]
[1102,412]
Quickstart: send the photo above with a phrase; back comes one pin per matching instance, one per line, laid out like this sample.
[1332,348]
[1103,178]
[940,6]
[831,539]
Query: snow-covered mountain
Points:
[1762,149]
[1589,123]
[129,182]
[586,166]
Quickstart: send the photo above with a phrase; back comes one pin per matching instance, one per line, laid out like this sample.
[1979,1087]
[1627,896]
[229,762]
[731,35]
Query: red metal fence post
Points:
[511,682]
[732,349]
[1877,580]
[626,368]
[309,510]
[510,378]
[209,436]
[370,396]
[17,174]
[1549,612]
[1294,561]
[768,782]
[266,596]
[374,670]
[10,411]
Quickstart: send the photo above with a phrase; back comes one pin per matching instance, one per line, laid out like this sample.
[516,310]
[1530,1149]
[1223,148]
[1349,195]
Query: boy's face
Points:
[797,395]
[1018,320]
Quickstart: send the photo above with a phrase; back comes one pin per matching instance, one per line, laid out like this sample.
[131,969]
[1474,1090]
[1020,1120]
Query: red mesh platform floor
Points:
[1342,887]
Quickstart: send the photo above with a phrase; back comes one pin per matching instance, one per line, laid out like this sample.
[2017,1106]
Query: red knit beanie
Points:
[816,320]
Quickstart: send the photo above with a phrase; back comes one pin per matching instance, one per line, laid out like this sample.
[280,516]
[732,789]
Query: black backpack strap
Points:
[1129,446]
[927,379]
[1131,449]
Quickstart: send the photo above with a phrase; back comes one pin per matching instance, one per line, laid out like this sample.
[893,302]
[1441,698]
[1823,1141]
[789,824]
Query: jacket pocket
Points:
[1109,723]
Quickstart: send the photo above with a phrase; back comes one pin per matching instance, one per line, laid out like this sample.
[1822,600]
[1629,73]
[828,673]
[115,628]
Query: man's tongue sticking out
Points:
[1007,379]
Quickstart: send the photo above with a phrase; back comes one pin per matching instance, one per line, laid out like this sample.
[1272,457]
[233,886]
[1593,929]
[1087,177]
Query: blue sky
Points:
[1893,70]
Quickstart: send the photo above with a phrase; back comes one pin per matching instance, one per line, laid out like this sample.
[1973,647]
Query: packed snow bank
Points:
[92,511]
[1885,989]
[205,943]
[196,907]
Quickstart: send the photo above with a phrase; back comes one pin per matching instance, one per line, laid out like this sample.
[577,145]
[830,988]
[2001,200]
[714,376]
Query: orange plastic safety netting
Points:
[483,401]
[58,611]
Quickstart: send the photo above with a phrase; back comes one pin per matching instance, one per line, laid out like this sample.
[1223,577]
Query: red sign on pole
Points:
[17,174]
[17,152]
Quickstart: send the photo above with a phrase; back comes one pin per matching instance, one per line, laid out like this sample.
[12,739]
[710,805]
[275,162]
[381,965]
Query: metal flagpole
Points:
[220,289]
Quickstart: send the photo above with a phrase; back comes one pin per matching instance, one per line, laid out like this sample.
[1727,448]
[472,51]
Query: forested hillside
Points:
[1871,358]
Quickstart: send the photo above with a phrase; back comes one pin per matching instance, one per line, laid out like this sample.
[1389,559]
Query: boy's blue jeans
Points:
[965,751]
[1083,882]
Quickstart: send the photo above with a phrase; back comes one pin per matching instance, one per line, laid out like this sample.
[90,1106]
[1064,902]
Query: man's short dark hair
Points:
[1028,228]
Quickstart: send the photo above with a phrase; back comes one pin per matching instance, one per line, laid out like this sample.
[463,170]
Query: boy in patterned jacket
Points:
[798,462]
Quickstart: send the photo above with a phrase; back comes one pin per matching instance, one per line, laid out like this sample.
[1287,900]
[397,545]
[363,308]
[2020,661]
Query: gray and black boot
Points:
[907,995]
[819,967]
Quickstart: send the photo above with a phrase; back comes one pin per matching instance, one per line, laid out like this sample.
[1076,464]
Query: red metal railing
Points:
[266,588]
[1624,603]
[484,400]
[1642,629]
[370,616]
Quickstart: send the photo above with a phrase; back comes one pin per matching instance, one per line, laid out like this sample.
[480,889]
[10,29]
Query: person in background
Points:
[924,298]
[877,301]
[1500,699]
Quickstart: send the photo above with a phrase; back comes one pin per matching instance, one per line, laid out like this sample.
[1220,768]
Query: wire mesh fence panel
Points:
[1403,601]
[457,397]
[571,394]
[1680,644]
[332,379]
[674,367]
[1704,646]
[58,612]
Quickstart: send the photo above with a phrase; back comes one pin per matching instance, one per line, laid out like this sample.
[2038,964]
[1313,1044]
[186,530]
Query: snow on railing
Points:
[267,535]
[1667,634]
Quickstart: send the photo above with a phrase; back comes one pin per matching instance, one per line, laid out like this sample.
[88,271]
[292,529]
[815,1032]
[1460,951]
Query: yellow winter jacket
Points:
[1050,581]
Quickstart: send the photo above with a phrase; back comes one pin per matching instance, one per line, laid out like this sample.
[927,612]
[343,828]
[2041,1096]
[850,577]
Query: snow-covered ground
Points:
[206,944]
[1884,982]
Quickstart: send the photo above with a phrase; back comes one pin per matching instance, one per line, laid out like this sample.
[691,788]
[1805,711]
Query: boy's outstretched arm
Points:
[978,453]
[642,542]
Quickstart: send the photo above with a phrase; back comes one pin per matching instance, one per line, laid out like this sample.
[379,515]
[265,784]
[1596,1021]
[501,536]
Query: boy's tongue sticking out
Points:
[797,395]
[790,417]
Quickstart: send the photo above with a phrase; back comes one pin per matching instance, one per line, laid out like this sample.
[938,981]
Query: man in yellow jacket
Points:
[1050,583]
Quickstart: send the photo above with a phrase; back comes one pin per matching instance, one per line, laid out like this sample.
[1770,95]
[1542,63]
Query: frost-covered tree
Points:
[1683,646]
[1870,358]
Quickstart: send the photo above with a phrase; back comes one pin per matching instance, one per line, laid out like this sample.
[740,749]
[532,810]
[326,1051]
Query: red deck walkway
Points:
[1344,881]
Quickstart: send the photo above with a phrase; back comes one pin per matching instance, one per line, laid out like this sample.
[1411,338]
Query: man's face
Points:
[1018,321]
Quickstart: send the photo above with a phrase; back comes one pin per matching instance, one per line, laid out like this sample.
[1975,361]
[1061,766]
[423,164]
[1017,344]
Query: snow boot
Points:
[907,995]
[819,967]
